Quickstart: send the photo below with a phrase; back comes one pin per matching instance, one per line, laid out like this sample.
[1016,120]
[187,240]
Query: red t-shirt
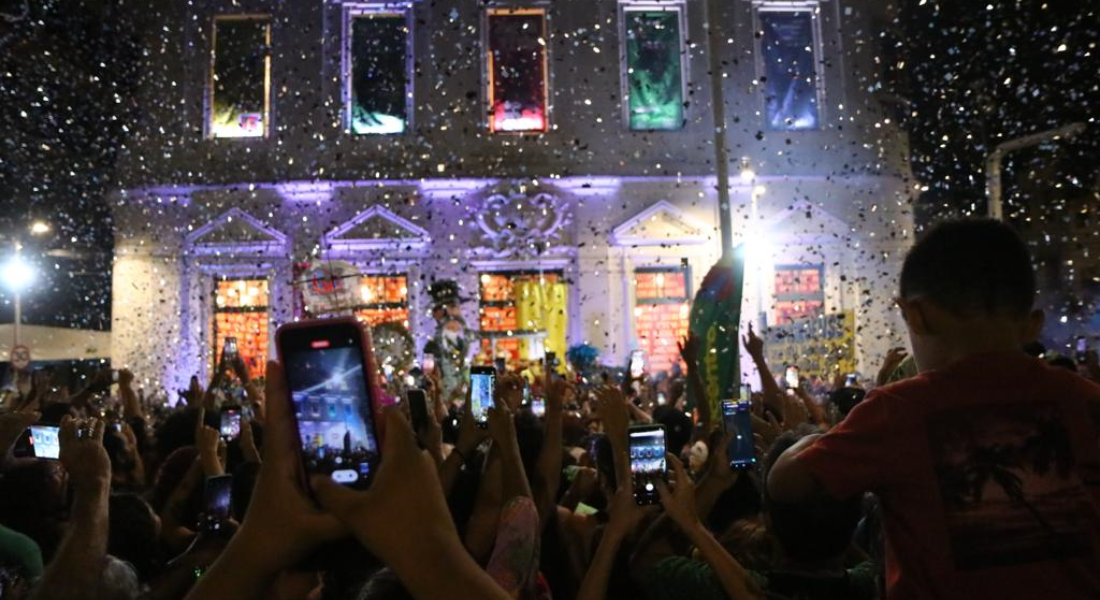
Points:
[988,472]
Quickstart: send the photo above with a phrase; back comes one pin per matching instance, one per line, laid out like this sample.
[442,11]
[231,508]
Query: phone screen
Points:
[482,382]
[647,462]
[428,363]
[45,441]
[746,393]
[218,498]
[418,409]
[231,422]
[229,350]
[538,407]
[792,377]
[331,391]
[637,364]
[737,419]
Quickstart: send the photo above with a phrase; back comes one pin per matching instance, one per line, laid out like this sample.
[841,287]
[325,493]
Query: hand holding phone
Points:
[45,441]
[230,426]
[418,409]
[737,421]
[217,500]
[792,377]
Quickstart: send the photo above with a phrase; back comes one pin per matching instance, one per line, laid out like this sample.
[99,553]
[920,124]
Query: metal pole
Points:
[18,317]
[993,186]
[718,110]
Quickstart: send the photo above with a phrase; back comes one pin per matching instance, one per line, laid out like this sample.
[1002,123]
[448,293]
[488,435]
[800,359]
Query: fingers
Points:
[280,438]
[199,424]
[677,468]
[664,493]
[98,426]
[333,497]
[68,434]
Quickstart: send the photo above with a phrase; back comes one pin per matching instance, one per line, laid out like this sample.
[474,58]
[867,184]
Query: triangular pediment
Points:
[236,228]
[377,226]
[807,221]
[660,224]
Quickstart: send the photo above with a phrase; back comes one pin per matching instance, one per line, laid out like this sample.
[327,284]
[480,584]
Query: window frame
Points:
[348,13]
[487,68]
[678,6]
[266,309]
[406,305]
[777,297]
[814,7]
[209,95]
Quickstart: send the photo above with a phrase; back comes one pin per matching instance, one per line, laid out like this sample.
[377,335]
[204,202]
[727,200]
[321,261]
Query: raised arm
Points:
[689,351]
[77,566]
[548,478]
[773,396]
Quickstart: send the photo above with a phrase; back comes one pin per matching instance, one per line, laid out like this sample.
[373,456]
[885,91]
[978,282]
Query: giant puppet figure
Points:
[451,343]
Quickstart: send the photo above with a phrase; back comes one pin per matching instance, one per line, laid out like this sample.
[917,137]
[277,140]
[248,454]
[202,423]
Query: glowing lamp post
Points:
[17,275]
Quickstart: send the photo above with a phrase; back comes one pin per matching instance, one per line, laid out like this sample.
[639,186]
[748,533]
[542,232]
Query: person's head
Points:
[34,501]
[967,287]
[133,533]
[817,530]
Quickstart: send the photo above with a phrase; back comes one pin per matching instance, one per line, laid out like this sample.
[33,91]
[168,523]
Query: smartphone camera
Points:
[218,499]
[792,377]
[482,384]
[538,407]
[737,420]
[647,462]
[230,427]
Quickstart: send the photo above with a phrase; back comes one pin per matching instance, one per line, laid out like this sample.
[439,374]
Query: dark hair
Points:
[818,528]
[971,267]
[34,501]
[133,533]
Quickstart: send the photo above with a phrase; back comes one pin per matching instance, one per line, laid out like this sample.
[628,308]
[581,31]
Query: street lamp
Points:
[17,275]
[993,161]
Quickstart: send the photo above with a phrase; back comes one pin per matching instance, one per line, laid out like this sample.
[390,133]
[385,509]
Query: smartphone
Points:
[1082,349]
[229,348]
[45,441]
[538,407]
[482,384]
[330,372]
[647,461]
[217,500]
[418,408]
[792,377]
[230,422]
[661,399]
[850,380]
[427,364]
[637,364]
[746,393]
[737,420]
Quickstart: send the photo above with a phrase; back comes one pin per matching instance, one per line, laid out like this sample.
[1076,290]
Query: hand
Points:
[84,458]
[679,502]
[130,437]
[431,438]
[502,427]
[767,428]
[753,344]
[470,435]
[248,442]
[718,456]
[509,392]
[207,440]
[613,413]
[894,356]
[585,484]
[12,426]
[125,378]
[795,412]
[284,526]
[557,391]
[625,512]
[192,396]
[404,516]
[689,350]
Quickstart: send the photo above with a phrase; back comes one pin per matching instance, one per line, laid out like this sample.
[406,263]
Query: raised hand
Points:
[470,435]
[753,344]
[558,392]
[248,442]
[689,350]
[207,440]
[894,356]
[679,501]
[82,453]
[502,428]
[509,391]
[12,426]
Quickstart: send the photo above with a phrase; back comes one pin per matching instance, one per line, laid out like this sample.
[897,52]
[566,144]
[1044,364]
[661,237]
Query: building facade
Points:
[555,159]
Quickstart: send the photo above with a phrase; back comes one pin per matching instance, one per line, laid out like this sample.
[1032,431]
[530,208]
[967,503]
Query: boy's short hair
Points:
[969,268]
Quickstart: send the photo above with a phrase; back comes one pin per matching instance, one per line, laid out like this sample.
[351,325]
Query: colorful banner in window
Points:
[241,312]
[523,315]
[790,68]
[817,345]
[517,70]
[240,77]
[379,79]
[654,68]
[661,310]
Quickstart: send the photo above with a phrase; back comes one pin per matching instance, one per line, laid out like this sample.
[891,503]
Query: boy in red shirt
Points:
[987,463]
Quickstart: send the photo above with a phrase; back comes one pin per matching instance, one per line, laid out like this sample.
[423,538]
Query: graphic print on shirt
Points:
[1009,485]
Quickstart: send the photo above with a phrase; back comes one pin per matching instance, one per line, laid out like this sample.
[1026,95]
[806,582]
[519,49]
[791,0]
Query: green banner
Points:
[715,318]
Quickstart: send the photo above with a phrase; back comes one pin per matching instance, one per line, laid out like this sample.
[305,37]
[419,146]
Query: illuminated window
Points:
[241,312]
[517,69]
[798,292]
[240,77]
[787,46]
[523,313]
[376,67]
[384,299]
[661,309]
[654,62]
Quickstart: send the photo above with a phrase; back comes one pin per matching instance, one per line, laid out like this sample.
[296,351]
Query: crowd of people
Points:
[970,469]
